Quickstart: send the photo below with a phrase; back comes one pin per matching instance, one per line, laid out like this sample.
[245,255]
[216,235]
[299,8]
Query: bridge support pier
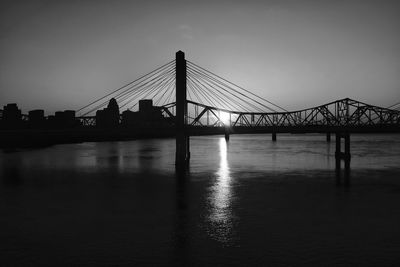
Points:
[182,153]
[274,136]
[328,136]
[226,134]
[345,156]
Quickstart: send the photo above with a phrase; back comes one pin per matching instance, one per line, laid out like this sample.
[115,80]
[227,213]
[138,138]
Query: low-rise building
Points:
[11,116]
[147,116]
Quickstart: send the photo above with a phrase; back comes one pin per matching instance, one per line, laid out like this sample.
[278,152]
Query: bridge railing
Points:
[87,120]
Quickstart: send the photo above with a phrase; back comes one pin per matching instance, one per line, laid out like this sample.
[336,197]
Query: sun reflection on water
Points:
[220,199]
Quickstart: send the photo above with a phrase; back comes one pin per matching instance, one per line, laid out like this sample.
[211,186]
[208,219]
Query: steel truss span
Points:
[341,113]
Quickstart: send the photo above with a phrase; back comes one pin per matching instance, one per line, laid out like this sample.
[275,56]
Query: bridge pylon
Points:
[182,153]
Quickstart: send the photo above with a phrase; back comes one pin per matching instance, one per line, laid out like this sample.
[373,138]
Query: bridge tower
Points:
[182,153]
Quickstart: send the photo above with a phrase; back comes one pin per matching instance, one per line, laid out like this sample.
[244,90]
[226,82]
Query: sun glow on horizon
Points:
[225,118]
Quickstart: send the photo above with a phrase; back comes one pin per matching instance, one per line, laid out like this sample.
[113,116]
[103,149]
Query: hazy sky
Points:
[60,55]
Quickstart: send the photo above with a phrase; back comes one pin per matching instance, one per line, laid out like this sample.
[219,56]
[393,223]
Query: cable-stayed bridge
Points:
[212,101]
[199,101]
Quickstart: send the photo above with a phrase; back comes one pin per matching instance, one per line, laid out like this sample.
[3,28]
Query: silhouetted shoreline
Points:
[38,138]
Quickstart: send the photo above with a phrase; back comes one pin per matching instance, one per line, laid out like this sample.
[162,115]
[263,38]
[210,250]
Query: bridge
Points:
[201,102]
[196,101]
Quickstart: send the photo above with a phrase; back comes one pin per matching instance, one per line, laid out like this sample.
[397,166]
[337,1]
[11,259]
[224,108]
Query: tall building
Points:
[109,116]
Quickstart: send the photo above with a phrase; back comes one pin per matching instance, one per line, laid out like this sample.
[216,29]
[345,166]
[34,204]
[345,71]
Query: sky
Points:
[57,55]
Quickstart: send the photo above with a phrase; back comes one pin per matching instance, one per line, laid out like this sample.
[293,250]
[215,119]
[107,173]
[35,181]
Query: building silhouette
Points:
[147,116]
[36,118]
[109,116]
[11,117]
[62,119]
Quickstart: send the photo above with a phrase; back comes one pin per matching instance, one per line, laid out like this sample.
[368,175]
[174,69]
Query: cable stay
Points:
[236,88]
[224,95]
[132,90]
[395,106]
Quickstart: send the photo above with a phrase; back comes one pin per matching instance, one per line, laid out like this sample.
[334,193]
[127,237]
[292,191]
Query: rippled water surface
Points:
[249,201]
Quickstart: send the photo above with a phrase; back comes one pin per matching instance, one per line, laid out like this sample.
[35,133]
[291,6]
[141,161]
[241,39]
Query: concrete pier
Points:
[226,136]
[227,133]
[274,136]
[182,153]
[328,137]
[345,156]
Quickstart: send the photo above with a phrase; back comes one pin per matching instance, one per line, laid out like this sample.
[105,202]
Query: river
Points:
[246,202]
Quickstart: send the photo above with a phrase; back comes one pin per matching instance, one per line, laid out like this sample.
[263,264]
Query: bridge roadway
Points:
[366,129]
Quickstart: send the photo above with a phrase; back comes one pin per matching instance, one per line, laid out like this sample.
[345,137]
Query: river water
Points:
[246,202]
